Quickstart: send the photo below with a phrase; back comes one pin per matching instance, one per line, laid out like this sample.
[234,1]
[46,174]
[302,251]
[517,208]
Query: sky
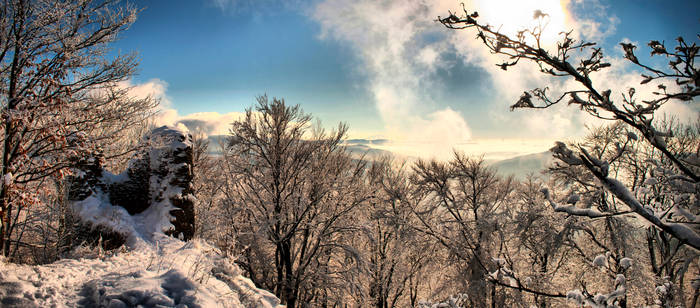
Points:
[386,68]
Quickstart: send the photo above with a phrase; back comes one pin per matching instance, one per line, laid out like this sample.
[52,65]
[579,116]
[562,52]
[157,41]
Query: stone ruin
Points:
[160,171]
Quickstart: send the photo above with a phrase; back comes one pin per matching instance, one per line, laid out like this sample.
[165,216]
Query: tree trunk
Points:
[5,230]
[15,73]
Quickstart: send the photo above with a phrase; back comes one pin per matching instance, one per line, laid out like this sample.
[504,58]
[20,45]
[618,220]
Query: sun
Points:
[512,16]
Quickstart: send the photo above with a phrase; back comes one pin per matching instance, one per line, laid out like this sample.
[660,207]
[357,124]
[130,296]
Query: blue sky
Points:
[384,67]
[220,58]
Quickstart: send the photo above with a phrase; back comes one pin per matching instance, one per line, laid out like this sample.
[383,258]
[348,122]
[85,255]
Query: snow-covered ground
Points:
[151,270]
[163,272]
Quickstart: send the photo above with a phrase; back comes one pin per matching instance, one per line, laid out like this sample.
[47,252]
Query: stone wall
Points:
[161,171]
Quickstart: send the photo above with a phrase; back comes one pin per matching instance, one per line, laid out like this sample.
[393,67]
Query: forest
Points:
[612,222]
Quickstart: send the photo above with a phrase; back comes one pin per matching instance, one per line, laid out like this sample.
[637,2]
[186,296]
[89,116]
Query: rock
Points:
[160,172]
[171,158]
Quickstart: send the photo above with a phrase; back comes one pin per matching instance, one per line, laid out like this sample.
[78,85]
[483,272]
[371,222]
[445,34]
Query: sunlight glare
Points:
[513,16]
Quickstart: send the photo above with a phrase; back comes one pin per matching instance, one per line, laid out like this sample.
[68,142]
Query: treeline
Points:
[320,228]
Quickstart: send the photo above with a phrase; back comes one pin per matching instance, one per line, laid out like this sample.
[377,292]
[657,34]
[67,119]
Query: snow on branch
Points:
[678,230]
[572,209]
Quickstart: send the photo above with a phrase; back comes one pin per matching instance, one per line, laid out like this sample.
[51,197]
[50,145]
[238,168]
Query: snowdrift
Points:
[164,272]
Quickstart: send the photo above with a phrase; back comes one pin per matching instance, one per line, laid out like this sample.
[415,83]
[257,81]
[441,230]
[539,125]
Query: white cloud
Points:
[401,46]
[209,123]
[594,22]
[154,88]
[596,31]
[399,64]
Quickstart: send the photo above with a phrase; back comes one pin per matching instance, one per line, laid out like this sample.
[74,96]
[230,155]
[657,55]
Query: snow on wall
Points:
[164,167]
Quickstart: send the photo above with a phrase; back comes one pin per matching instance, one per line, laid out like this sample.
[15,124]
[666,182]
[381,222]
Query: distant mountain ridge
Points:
[367,141]
[521,166]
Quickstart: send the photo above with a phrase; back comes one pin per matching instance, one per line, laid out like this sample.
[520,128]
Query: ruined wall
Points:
[160,173]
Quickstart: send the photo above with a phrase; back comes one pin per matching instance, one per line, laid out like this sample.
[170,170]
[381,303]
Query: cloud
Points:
[208,123]
[401,47]
[154,88]
[399,63]
[591,19]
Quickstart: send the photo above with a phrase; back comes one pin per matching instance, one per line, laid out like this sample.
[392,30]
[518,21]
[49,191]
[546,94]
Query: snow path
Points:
[165,273]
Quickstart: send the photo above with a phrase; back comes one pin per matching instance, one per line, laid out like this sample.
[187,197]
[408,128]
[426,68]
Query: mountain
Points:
[215,142]
[367,141]
[521,166]
[356,147]
[359,150]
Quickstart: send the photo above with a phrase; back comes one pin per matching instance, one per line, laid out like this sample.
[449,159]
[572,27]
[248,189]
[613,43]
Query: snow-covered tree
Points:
[634,175]
[635,112]
[464,207]
[292,190]
[59,93]
[396,258]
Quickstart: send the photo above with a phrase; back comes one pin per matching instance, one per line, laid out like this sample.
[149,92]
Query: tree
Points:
[465,208]
[638,115]
[396,258]
[600,180]
[649,175]
[292,190]
[59,93]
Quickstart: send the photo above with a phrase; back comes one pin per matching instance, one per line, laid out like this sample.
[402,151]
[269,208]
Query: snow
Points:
[575,296]
[661,289]
[680,231]
[600,260]
[625,263]
[166,272]
[7,179]
[151,270]
[97,210]
[454,301]
[570,209]
[100,213]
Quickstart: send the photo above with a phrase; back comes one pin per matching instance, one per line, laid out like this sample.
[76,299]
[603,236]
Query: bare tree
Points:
[465,208]
[59,93]
[637,113]
[649,175]
[396,258]
[293,190]
[607,175]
